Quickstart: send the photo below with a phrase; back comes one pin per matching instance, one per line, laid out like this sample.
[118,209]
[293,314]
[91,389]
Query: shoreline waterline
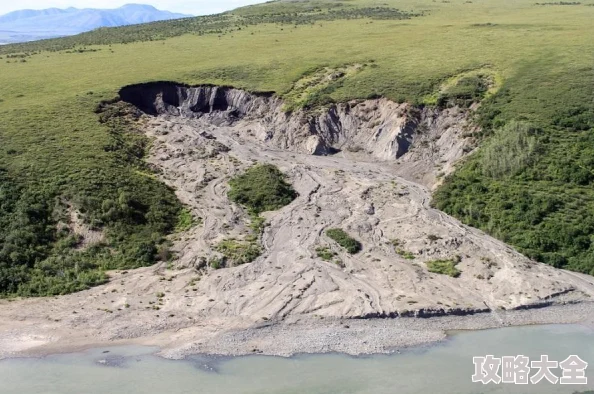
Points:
[288,338]
[138,369]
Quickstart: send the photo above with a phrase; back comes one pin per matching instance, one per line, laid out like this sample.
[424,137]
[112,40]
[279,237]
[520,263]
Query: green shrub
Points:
[509,150]
[343,239]
[444,267]
[406,254]
[325,253]
[239,252]
[541,203]
[185,220]
[257,224]
[145,252]
[217,262]
[261,188]
[115,194]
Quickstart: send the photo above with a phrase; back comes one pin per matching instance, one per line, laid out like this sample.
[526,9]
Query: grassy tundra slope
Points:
[60,159]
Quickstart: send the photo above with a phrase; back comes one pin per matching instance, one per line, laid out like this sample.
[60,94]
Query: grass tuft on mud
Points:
[261,188]
[444,267]
[325,253]
[350,244]
[238,252]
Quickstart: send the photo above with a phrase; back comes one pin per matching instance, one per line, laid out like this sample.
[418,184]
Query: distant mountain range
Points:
[28,25]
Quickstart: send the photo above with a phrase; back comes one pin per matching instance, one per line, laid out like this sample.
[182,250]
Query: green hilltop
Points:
[60,151]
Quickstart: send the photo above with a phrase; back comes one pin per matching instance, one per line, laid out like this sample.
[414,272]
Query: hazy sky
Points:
[195,7]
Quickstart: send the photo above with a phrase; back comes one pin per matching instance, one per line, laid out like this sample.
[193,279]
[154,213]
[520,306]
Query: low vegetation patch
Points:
[466,88]
[261,188]
[112,193]
[325,253]
[464,91]
[314,88]
[444,267]
[186,221]
[217,263]
[350,244]
[397,244]
[238,252]
[510,150]
[405,253]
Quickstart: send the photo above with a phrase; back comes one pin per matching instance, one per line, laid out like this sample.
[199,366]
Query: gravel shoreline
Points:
[370,336]
[355,337]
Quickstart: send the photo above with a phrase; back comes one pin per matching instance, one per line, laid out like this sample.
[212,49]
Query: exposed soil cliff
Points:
[428,139]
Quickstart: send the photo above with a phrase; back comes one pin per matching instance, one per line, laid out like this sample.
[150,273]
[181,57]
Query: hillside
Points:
[526,63]
[28,25]
[267,178]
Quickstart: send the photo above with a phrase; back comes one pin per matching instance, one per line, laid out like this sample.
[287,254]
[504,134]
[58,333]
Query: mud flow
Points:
[366,167]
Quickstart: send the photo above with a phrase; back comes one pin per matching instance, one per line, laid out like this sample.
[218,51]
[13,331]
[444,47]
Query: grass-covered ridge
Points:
[280,13]
[538,63]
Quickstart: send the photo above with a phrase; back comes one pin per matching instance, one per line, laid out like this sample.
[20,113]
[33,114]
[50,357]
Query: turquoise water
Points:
[444,368]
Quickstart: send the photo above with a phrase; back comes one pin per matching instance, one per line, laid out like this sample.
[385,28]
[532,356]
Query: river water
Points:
[438,369]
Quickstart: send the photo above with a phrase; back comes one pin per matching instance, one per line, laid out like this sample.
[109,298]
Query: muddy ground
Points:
[368,168]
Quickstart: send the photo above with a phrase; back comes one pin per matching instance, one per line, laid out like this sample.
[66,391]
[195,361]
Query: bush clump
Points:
[217,263]
[325,253]
[40,257]
[239,252]
[406,254]
[261,188]
[445,267]
[185,220]
[343,239]
[509,151]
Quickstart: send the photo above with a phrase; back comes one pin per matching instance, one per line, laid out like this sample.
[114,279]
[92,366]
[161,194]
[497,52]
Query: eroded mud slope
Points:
[366,167]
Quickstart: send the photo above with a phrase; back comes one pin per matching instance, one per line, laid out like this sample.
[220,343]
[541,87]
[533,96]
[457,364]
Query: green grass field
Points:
[54,148]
